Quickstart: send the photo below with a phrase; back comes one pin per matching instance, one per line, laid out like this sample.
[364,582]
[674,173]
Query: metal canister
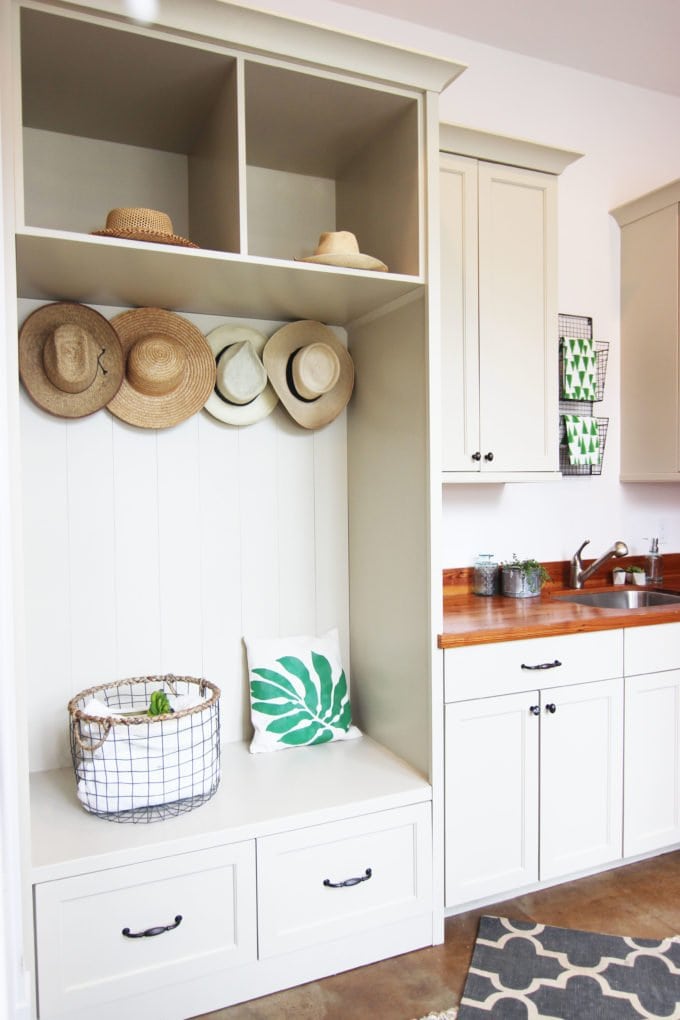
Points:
[485,575]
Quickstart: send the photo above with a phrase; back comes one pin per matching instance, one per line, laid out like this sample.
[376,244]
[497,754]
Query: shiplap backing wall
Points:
[156,551]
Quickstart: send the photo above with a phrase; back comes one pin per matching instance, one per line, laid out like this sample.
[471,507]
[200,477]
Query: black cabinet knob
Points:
[477,455]
[551,708]
[535,710]
[488,456]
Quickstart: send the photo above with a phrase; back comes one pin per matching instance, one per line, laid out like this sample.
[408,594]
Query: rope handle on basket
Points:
[106,723]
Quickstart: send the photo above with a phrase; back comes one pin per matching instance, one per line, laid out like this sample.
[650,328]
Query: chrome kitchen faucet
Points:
[578,575]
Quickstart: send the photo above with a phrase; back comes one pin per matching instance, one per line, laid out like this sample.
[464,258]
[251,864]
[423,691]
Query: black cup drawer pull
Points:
[150,932]
[544,665]
[348,881]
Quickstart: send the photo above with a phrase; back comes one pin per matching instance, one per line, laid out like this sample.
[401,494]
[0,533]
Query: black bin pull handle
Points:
[150,932]
[543,665]
[348,881]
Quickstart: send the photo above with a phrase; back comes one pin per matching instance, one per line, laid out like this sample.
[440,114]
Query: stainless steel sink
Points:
[626,598]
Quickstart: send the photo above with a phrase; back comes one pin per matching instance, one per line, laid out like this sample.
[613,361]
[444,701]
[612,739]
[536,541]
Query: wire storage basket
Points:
[131,766]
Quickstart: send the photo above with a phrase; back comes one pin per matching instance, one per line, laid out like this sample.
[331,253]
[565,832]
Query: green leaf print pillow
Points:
[298,692]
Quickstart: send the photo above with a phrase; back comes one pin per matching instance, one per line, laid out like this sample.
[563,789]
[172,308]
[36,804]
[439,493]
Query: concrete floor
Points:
[640,899]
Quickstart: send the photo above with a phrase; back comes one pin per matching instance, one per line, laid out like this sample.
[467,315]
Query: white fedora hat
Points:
[242,394]
[311,371]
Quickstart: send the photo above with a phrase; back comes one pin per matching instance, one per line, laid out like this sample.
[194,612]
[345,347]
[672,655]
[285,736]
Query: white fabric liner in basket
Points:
[134,767]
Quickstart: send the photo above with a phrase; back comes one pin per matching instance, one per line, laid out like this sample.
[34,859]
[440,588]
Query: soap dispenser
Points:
[654,563]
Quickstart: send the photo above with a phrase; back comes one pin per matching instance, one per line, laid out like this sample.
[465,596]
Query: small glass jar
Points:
[485,575]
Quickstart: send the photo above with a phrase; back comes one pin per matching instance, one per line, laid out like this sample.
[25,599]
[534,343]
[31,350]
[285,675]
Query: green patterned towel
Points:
[583,440]
[579,369]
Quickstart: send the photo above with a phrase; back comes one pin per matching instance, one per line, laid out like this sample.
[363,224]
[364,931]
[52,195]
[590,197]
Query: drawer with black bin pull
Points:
[506,667]
[341,878]
[116,934]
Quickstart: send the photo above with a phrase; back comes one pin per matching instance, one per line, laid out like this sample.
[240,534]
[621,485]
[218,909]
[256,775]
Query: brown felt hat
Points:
[70,359]
[341,248]
[311,371]
[137,224]
[169,370]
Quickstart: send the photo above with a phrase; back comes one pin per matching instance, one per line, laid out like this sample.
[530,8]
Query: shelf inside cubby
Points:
[56,266]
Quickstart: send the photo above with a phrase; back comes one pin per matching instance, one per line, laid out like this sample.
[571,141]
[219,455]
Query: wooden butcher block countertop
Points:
[476,619]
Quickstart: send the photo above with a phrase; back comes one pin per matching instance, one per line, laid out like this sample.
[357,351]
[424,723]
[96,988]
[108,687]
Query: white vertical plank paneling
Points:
[91,550]
[295,499]
[157,551]
[331,532]
[179,547]
[221,571]
[259,526]
[137,551]
[46,583]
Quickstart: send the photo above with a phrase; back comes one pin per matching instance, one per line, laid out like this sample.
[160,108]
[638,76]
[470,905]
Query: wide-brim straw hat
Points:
[242,394]
[169,371]
[135,223]
[311,371]
[70,359]
[341,248]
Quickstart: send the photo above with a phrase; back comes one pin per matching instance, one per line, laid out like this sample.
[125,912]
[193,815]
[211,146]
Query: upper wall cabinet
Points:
[499,308]
[650,339]
[252,158]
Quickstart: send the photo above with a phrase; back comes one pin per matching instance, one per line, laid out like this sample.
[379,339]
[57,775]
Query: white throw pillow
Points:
[298,692]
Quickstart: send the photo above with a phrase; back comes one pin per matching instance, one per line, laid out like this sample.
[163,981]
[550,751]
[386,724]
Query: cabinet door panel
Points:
[491,781]
[581,776]
[460,338]
[517,318]
[651,811]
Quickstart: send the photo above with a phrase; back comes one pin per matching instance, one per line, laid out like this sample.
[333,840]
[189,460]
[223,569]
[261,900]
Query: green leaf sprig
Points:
[159,704]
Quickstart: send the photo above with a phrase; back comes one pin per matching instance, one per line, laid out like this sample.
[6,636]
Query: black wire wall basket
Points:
[132,766]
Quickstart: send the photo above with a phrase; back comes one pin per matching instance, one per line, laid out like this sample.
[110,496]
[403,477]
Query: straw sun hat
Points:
[70,359]
[242,393]
[341,248]
[170,369]
[311,371]
[137,224]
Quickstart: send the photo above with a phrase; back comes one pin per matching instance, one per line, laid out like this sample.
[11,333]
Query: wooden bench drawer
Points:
[329,881]
[85,960]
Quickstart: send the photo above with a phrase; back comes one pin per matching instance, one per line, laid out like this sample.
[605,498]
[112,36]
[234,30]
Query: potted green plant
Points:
[523,579]
[619,575]
[636,575]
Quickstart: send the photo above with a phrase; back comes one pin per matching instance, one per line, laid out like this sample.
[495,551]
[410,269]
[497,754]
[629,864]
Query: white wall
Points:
[631,145]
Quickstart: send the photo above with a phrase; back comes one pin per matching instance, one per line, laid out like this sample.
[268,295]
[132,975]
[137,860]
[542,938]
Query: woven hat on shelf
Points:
[70,359]
[242,393]
[311,371]
[137,224]
[341,248]
[169,370]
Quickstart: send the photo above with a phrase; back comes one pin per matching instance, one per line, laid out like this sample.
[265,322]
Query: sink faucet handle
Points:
[577,554]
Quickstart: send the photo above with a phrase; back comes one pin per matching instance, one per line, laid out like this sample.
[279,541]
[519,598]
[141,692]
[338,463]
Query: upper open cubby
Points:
[326,154]
[118,118]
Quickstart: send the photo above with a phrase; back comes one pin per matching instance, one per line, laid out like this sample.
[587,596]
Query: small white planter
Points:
[619,575]
[636,578]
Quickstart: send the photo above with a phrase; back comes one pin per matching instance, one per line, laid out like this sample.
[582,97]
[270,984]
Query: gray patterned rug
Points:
[526,971]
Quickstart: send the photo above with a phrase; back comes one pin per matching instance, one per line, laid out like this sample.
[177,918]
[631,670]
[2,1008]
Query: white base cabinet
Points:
[652,738]
[533,776]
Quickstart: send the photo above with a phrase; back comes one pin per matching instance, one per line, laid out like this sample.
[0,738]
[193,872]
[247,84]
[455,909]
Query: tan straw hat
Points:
[70,359]
[242,394]
[311,371]
[169,372]
[340,248]
[137,224]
